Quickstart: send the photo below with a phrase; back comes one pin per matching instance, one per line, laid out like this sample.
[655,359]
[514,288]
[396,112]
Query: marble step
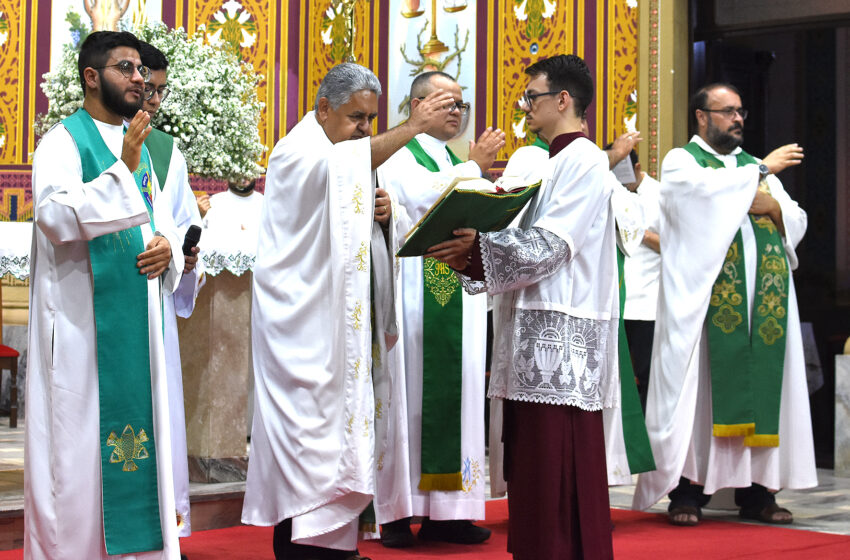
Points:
[214,506]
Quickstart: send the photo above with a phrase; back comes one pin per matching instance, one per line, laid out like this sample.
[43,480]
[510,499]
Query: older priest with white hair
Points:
[324,270]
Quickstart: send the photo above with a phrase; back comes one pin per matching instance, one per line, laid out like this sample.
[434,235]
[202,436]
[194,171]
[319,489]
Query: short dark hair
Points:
[152,57]
[700,98]
[419,86]
[567,72]
[95,49]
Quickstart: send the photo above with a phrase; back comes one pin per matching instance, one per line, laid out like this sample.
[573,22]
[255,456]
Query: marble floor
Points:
[825,508]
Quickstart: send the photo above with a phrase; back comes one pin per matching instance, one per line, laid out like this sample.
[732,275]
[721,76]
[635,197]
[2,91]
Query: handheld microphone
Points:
[193,235]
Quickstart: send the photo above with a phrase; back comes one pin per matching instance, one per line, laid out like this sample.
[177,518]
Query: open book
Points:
[469,203]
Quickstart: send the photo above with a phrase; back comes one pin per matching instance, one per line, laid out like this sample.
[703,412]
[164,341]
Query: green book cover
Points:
[468,203]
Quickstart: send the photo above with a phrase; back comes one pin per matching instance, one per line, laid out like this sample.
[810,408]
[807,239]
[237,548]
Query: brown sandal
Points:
[684,510]
[767,514]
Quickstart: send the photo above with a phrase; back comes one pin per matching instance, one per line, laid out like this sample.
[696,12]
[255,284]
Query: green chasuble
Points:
[131,520]
[747,361]
[160,145]
[442,363]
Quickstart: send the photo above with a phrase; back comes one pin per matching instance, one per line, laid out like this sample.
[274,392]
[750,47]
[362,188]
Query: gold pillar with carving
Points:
[663,80]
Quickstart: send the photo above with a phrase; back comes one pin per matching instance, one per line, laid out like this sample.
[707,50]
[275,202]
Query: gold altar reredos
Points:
[293,43]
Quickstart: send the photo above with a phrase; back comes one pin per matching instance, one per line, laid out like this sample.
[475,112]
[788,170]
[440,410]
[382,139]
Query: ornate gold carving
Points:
[248,28]
[128,448]
[318,40]
[12,86]
[440,280]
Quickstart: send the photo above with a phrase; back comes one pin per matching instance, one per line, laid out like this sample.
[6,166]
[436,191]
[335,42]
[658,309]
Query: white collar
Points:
[429,143]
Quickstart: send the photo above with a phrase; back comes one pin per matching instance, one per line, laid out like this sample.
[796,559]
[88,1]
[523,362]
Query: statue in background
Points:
[105,14]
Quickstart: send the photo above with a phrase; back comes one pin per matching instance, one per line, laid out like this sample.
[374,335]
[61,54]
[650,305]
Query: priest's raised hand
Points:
[137,132]
[484,151]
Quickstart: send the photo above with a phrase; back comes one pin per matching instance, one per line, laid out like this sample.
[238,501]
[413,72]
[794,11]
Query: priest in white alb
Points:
[323,315]
[98,472]
[445,334]
[728,405]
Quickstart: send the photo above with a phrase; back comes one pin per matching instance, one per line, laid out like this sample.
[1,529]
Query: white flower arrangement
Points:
[212,112]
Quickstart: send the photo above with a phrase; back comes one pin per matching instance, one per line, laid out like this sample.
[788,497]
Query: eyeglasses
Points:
[729,112]
[528,98]
[459,106]
[162,91]
[128,68]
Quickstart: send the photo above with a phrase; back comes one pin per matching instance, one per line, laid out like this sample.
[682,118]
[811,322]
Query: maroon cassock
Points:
[556,473]
[557,482]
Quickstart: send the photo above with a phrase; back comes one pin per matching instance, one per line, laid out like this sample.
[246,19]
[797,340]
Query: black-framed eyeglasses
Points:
[528,98]
[729,112]
[162,91]
[459,106]
[128,68]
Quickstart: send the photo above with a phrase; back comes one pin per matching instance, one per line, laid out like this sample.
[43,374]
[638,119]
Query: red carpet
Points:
[637,536]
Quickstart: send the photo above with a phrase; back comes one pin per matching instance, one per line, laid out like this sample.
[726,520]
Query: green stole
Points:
[131,520]
[635,436]
[442,364]
[160,145]
[746,370]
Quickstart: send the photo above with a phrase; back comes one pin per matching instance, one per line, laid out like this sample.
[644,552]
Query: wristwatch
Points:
[763,171]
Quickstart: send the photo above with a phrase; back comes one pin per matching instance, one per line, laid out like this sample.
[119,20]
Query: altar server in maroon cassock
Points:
[554,284]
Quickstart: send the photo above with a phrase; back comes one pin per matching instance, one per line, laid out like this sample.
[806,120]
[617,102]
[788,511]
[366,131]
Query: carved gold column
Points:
[663,80]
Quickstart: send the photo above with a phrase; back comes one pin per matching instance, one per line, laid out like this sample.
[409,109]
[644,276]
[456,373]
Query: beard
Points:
[114,100]
[724,141]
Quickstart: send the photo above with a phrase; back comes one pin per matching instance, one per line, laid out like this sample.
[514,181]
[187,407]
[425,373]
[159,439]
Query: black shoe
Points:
[454,531]
[397,534]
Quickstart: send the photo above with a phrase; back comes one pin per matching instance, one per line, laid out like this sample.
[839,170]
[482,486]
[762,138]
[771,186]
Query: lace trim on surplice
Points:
[553,358]
[514,258]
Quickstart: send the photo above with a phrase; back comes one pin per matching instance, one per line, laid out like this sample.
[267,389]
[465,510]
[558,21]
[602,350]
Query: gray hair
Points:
[344,80]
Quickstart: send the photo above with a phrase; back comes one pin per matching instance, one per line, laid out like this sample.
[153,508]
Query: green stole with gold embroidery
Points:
[747,363]
[131,520]
[442,364]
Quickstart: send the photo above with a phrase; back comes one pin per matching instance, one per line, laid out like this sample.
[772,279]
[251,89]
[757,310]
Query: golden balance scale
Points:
[411,10]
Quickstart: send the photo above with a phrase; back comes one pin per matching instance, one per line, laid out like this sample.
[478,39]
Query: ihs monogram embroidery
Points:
[440,280]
